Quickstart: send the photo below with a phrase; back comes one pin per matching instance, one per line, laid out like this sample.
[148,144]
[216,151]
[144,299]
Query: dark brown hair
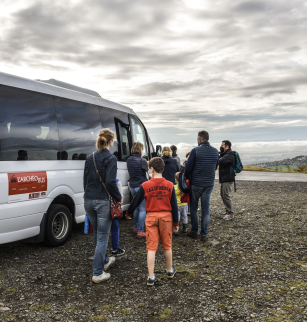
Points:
[173,148]
[157,163]
[177,176]
[203,135]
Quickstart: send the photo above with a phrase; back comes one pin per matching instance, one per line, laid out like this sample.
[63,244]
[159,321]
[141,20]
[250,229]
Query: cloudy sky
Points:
[237,69]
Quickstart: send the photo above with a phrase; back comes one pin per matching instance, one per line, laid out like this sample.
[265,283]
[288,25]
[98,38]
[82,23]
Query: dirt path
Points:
[252,269]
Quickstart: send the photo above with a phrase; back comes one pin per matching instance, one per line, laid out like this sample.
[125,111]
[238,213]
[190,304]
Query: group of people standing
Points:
[157,198]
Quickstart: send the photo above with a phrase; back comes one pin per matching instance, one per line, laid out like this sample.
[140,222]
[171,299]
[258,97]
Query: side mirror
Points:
[158,150]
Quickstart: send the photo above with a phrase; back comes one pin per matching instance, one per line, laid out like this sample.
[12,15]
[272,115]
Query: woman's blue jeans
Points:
[204,193]
[98,212]
[139,214]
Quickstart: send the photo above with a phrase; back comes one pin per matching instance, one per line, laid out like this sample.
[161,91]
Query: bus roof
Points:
[77,93]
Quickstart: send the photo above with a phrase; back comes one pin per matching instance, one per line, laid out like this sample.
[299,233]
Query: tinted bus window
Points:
[109,118]
[28,125]
[139,134]
[79,125]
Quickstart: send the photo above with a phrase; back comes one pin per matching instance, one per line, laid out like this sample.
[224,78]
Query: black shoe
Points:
[172,273]
[192,235]
[119,252]
[203,238]
[151,281]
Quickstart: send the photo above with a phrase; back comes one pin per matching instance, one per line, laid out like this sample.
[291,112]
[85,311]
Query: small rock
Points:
[253,316]
[214,242]
[1,304]
[3,308]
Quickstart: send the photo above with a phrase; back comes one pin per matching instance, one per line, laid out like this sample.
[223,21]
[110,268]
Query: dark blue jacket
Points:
[137,168]
[227,163]
[107,167]
[201,165]
[170,169]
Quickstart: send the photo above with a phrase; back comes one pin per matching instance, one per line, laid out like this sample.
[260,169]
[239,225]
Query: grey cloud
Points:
[284,86]
[157,87]
[293,48]
[250,7]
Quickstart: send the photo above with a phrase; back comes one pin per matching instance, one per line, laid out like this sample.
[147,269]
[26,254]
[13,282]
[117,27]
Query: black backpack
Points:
[183,186]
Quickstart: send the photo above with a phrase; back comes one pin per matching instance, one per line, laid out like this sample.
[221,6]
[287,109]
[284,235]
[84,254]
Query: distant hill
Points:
[294,162]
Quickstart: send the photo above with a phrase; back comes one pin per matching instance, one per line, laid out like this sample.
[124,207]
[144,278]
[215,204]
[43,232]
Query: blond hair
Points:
[166,151]
[137,148]
[104,137]
[177,176]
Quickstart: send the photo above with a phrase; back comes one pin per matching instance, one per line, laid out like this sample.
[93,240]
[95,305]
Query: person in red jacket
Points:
[161,219]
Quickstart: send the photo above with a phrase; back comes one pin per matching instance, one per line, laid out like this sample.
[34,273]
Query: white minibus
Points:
[47,130]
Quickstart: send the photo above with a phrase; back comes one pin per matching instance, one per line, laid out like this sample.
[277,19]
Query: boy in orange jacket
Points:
[161,219]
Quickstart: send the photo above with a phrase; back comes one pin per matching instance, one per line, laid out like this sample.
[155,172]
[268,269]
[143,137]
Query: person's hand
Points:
[128,216]
[120,202]
[175,229]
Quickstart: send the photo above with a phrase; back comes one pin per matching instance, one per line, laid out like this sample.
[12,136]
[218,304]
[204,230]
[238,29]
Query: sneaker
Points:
[135,231]
[192,235]
[151,281]
[111,262]
[229,217]
[119,252]
[101,278]
[91,258]
[140,235]
[172,273]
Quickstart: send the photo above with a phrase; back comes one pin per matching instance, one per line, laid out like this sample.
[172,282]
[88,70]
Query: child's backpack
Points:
[239,165]
[185,197]
[183,184]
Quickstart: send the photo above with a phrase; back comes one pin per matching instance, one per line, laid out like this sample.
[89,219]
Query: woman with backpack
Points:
[171,165]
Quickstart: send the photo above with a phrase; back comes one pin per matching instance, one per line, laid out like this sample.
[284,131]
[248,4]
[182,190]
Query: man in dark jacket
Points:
[201,166]
[227,164]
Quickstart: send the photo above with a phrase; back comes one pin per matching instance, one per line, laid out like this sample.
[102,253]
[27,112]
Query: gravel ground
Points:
[251,269]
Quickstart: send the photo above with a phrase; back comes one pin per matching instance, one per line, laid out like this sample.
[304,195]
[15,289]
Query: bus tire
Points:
[58,225]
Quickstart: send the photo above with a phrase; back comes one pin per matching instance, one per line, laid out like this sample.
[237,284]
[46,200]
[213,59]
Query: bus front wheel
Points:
[58,226]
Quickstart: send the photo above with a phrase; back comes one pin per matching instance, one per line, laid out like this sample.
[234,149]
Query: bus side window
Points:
[138,134]
[28,125]
[118,122]
[79,125]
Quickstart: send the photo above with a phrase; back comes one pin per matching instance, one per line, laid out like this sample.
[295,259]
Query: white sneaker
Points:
[111,262]
[103,277]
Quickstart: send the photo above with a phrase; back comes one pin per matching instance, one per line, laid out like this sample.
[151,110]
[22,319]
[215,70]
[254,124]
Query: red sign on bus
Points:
[27,182]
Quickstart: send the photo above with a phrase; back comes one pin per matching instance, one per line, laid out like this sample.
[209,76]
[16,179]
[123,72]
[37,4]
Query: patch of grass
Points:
[251,306]
[124,311]
[71,309]
[141,304]
[238,292]
[279,317]
[2,275]
[39,307]
[166,314]
[11,290]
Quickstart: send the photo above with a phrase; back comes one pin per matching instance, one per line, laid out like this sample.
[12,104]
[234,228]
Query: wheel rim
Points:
[60,225]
